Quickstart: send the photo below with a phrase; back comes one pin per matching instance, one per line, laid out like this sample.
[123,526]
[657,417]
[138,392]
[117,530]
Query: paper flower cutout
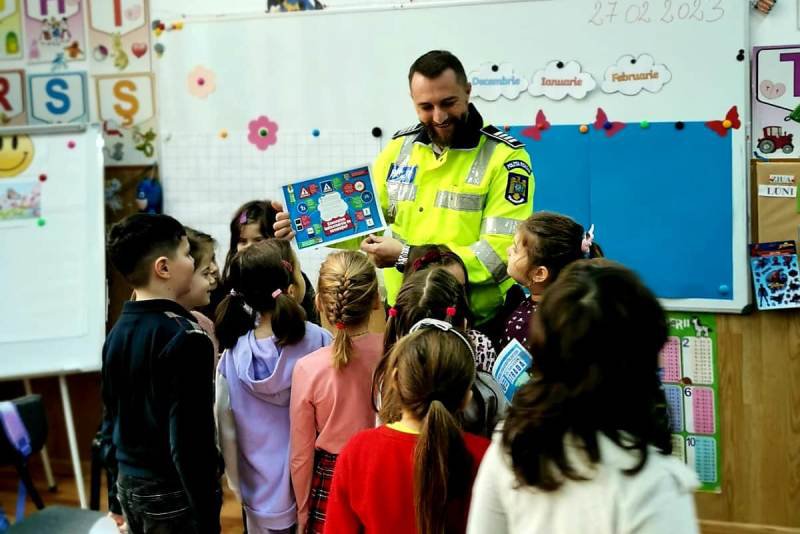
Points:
[201,82]
[491,81]
[731,121]
[559,80]
[263,132]
[535,131]
[631,75]
[601,122]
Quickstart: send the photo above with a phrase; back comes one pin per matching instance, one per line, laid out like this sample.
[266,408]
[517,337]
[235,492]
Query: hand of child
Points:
[282,226]
[119,520]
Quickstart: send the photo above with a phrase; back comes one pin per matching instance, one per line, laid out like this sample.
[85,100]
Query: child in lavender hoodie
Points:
[255,377]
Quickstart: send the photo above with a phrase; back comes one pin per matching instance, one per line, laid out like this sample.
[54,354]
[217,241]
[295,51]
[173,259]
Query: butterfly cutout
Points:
[535,131]
[602,123]
[133,13]
[732,118]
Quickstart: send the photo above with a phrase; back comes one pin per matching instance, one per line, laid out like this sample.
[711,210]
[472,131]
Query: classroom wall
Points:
[759,366]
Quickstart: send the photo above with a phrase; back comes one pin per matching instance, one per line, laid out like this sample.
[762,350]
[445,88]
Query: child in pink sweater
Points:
[331,388]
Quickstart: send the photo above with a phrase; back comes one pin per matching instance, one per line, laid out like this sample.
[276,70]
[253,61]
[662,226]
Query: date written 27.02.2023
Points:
[659,11]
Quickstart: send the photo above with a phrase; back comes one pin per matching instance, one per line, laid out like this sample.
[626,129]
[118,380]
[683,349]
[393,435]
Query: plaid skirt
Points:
[324,462]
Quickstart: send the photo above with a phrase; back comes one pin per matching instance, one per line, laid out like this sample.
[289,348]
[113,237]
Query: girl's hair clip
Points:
[392,312]
[451,311]
[243,217]
[588,240]
[340,326]
[287,265]
[276,293]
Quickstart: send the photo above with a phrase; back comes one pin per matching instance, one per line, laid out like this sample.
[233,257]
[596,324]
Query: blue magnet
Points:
[315,132]
[724,289]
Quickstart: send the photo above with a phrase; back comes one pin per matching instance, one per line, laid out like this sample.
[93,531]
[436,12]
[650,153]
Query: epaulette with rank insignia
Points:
[497,134]
[408,131]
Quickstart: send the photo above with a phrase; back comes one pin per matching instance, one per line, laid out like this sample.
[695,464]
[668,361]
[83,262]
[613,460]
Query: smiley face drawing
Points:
[16,154]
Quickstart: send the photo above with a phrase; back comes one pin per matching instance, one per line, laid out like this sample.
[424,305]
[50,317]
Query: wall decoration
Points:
[535,131]
[776,101]
[731,121]
[13,108]
[776,276]
[57,98]
[263,132]
[54,31]
[631,75]
[20,200]
[201,82]
[601,122]
[126,106]
[16,155]
[561,79]
[491,81]
[119,36]
[10,30]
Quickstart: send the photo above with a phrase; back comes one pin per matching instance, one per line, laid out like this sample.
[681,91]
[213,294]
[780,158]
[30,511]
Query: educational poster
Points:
[13,111]
[119,36]
[10,30]
[511,368]
[688,369]
[333,208]
[776,277]
[58,98]
[776,101]
[54,32]
[126,108]
[20,200]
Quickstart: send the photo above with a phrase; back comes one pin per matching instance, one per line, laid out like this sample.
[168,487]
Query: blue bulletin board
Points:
[670,223]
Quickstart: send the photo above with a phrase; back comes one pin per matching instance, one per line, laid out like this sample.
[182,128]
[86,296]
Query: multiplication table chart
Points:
[689,375]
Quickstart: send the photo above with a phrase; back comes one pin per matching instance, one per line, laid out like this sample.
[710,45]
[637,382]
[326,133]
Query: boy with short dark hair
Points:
[156,388]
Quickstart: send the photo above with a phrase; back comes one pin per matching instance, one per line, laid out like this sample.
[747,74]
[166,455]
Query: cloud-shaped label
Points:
[491,81]
[630,75]
[561,79]
[332,206]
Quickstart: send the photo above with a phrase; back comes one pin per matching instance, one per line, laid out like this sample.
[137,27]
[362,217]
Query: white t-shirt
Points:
[657,500]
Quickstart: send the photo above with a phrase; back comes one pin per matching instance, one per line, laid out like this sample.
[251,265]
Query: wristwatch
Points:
[402,259]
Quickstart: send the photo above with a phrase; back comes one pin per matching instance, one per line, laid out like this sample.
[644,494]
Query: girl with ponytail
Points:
[254,379]
[331,388]
[414,475]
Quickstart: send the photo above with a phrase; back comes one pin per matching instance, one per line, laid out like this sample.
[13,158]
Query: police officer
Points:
[451,180]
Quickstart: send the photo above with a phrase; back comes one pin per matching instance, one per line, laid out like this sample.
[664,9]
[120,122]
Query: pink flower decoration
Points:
[263,132]
[201,82]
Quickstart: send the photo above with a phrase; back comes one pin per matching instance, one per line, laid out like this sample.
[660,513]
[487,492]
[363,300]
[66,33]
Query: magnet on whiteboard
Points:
[583,128]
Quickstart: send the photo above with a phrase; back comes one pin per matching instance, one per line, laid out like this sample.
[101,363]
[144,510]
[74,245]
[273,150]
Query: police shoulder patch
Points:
[517,188]
[499,135]
[518,164]
[408,131]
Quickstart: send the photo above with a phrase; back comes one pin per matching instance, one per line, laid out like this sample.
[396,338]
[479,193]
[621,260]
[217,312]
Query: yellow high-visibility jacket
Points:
[471,198]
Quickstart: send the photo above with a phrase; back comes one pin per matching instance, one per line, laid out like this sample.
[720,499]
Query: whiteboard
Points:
[52,261]
[343,72]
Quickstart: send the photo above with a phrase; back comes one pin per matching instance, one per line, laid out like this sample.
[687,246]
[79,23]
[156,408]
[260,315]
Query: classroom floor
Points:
[67,495]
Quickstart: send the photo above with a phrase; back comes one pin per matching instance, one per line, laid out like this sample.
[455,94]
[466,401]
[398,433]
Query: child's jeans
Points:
[153,506]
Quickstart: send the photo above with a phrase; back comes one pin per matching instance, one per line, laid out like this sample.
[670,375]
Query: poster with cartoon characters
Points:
[10,30]
[776,101]
[119,37]
[690,380]
[126,108]
[776,276]
[333,208]
[54,32]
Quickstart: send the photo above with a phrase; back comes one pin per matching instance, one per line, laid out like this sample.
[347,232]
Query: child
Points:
[204,281]
[582,449]
[254,380]
[252,223]
[543,245]
[331,388]
[414,475]
[156,392]
[426,256]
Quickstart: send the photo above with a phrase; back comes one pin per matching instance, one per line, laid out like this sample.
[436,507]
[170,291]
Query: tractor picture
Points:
[774,139]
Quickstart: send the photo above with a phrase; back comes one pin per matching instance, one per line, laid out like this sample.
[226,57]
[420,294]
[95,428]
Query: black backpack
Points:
[487,407]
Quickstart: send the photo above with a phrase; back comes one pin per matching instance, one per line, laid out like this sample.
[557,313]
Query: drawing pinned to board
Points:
[631,75]
[560,79]
[13,109]
[263,132]
[53,28]
[535,131]
[601,122]
[20,200]
[10,29]
[776,102]
[731,121]
[491,81]
[776,275]
[118,29]
[201,82]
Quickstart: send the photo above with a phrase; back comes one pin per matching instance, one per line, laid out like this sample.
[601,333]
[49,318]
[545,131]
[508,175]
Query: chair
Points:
[31,411]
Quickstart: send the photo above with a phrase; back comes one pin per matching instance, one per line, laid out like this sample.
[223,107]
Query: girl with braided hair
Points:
[331,388]
[255,378]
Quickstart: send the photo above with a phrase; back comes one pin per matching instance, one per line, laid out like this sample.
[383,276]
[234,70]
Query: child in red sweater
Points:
[414,475]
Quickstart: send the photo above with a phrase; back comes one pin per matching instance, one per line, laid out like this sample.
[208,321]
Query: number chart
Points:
[689,374]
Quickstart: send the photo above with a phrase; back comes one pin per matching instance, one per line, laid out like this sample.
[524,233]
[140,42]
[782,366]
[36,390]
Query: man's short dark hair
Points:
[137,240]
[432,64]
